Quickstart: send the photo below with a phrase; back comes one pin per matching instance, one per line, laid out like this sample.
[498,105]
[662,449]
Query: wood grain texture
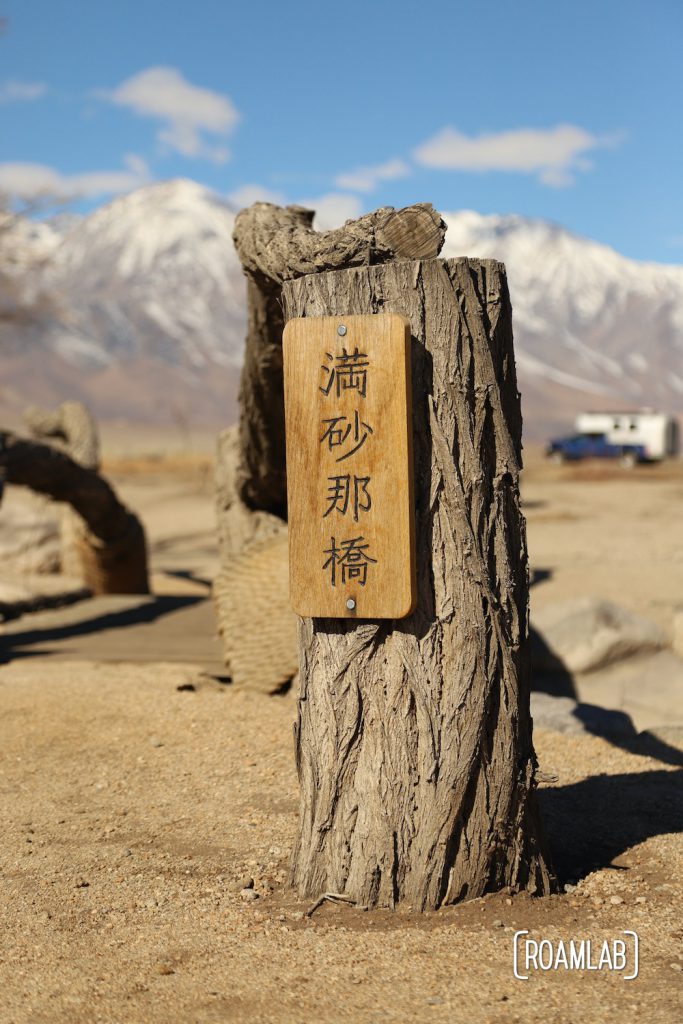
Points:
[413,739]
[349,473]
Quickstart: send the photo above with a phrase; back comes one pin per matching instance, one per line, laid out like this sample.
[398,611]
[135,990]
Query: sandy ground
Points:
[595,528]
[133,811]
[138,797]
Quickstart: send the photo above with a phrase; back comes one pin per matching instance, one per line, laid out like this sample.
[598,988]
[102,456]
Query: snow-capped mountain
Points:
[154,272]
[142,312]
[146,315]
[592,328]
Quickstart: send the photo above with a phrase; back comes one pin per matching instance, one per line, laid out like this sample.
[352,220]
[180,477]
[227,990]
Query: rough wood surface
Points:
[255,620]
[238,525]
[349,472]
[71,428]
[413,738]
[113,548]
[277,244]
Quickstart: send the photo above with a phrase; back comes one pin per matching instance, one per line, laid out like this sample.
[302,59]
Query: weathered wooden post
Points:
[413,740]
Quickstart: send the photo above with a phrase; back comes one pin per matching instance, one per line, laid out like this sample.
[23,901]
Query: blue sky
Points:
[567,111]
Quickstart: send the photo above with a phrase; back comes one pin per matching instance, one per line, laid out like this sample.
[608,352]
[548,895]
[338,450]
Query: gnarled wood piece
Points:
[114,553]
[413,740]
[277,244]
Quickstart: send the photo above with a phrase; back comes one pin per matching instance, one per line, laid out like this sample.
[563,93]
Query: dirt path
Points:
[139,629]
[597,529]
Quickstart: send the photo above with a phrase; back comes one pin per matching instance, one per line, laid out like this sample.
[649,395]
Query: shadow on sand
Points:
[143,610]
[591,823]
[614,726]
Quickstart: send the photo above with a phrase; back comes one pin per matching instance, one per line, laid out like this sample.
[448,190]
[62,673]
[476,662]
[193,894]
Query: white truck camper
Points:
[653,435]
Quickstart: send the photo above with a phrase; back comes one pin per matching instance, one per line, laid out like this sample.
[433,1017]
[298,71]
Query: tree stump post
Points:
[413,739]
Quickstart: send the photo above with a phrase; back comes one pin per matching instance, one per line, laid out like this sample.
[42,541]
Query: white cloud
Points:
[366,179]
[33,181]
[188,112]
[248,194]
[13,92]
[332,209]
[554,154]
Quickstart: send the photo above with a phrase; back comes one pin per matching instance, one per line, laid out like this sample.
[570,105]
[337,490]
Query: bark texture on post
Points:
[413,738]
[238,525]
[112,546]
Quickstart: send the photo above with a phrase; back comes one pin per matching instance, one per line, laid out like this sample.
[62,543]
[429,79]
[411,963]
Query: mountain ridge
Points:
[143,312]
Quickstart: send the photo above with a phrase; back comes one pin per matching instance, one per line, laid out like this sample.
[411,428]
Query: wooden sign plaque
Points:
[349,466]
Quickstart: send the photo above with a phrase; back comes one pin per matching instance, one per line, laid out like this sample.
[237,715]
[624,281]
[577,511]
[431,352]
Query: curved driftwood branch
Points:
[113,548]
[279,244]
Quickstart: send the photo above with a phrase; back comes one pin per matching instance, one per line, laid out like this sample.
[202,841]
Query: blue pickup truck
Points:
[594,446]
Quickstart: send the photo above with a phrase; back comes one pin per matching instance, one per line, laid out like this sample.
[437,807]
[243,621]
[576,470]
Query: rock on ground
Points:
[587,633]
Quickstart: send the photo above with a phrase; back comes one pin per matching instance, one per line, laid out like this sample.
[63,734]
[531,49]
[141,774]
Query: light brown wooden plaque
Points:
[349,466]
